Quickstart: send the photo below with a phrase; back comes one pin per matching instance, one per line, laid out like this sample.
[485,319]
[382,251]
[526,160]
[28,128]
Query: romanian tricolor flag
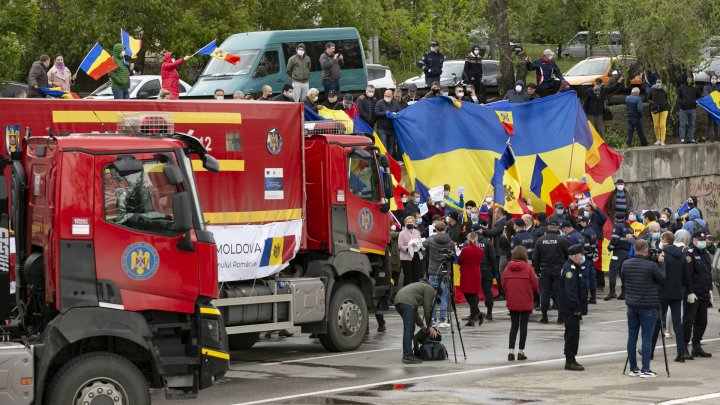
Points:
[711,104]
[212,49]
[277,250]
[546,185]
[97,62]
[132,45]
[506,119]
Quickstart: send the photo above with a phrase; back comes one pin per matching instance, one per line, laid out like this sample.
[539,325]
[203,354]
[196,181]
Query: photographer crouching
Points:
[439,247]
[407,302]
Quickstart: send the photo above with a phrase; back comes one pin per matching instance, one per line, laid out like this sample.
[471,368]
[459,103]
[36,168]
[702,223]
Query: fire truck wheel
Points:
[98,378]
[243,341]
[347,320]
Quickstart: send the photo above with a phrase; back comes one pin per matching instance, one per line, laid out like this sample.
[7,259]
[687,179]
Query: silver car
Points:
[452,75]
[141,86]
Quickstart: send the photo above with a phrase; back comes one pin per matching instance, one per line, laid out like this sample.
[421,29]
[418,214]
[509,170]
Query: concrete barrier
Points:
[658,177]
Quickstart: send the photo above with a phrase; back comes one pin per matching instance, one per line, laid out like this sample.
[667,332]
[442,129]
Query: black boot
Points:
[489,314]
[611,294]
[687,355]
[622,293]
[572,365]
[544,318]
[593,299]
[698,351]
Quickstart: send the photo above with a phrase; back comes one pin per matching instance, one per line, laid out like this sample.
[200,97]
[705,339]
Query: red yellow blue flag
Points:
[97,62]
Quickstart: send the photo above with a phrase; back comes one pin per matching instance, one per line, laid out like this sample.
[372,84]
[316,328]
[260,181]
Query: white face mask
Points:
[388,100]
[518,88]
[445,93]
[300,53]
[632,217]
[620,187]
[370,94]
[488,200]
[713,81]
[476,52]
[122,54]
[459,94]
[550,57]
[219,98]
[315,99]
[289,94]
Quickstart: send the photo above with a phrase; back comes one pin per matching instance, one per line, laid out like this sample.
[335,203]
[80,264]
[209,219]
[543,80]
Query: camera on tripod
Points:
[448,257]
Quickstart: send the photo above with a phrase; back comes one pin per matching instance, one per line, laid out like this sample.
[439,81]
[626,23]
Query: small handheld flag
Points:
[97,62]
[211,49]
[132,45]
[506,119]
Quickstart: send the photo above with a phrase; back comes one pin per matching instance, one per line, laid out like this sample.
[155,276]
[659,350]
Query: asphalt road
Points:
[298,370]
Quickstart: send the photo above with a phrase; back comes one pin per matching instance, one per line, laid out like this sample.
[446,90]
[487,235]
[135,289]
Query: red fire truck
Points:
[299,223]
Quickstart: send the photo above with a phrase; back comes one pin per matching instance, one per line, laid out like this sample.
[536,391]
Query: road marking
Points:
[433,376]
[327,357]
[619,320]
[691,399]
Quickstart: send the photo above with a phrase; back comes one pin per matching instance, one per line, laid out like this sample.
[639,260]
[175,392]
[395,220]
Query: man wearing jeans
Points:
[435,245]
[634,106]
[407,302]
[330,62]
[642,279]
[687,99]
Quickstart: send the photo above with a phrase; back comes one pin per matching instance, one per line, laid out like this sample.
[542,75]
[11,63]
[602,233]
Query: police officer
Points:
[572,303]
[619,246]
[571,234]
[591,256]
[432,63]
[551,251]
[522,237]
[698,287]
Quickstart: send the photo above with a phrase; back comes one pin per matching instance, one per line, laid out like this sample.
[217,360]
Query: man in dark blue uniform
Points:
[591,256]
[572,303]
[551,251]
[698,287]
[432,63]
[522,237]
[619,246]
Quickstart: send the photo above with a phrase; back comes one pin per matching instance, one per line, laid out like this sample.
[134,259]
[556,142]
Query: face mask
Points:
[409,226]
[347,105]
[459,94]
[315,99]
[664,219]
[434,49]
[690,204]
[404,199]
[550,57]
[419,221]
[474,217]
[435,91]
[657,85]
[582,259]
[332,100]
[518,88]
[476,52]
[701,245]
[620,187]
[488,200]
[661,245]
[656,235]
[219,98]
[632,217]
[586,214]
[388,100]
[122,54]
[417,200]
[301,53]
[713,81]
[559,211]
[445,93]
[370,94]
[447,219]
[289,94]
[60,64]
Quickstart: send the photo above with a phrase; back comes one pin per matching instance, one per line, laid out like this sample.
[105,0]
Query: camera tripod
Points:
[445,275]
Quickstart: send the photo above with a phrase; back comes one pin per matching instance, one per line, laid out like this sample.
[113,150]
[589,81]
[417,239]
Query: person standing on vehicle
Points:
[712,129]
[633,104]
[366,105]
[120,77]
[520,284]
[169,74]
[643,279]
[594,102]
[330,63]
[688,95]
[38,77]
[407,301]
[385,128]
[298,68]
[473,71]
[698,290]
[469,260]
[572,303]
[432,64]
[659,108]
[517,94]
[551,251]
[546,69]
[59,75]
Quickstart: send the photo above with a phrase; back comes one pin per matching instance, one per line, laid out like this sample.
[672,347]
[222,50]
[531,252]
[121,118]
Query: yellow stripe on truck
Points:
[215,353]
[229,165]
[218,218]
[193,117]
[209,311]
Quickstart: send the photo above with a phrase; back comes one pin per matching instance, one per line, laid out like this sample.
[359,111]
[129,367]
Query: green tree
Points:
[18,21]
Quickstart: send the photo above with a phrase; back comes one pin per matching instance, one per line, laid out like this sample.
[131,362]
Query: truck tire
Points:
[347,320]
[99,376]
[243,341]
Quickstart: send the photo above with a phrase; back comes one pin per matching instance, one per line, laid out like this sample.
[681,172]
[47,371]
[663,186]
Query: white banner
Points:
[240,248]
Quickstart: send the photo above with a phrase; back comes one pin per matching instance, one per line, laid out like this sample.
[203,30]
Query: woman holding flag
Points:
[170,76]
[59,75]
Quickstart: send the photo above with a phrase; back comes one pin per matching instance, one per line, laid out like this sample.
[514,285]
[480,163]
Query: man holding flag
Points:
[120,76]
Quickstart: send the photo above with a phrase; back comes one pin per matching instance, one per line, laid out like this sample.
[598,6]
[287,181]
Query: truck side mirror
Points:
[182,212]
[127,165]
[388,183]
[210,164]
[173,174]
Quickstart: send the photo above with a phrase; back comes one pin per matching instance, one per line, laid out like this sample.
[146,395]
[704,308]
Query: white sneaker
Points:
[443,325]
[647,374]
[668,335]
[657,142]
[635,373]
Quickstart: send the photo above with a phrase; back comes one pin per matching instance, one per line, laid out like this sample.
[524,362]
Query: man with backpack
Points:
[695,223]
[407,302]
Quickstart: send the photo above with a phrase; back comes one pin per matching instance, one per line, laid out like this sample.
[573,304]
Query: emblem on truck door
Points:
[274,142]
[140,261]
[365,220]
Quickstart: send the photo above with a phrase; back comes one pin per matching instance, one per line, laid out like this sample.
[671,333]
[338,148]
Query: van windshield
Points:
[590,67]
[217,67]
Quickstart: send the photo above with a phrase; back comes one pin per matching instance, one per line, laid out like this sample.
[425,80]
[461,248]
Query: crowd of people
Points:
[661,258]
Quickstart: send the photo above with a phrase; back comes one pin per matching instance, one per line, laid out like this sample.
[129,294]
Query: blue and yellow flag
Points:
[711,104]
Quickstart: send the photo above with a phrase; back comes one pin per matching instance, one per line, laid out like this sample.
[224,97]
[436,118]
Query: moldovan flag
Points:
[277,250]
[212,49]
[506,119]
[506,183]
[97,62]
[548,187]
[132,45]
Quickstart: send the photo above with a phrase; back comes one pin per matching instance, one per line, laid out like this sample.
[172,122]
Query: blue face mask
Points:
[419,221]
[582,260]
[701,245]
[474,217]
[417,200]
[559,211]
[656,235]
[586,214]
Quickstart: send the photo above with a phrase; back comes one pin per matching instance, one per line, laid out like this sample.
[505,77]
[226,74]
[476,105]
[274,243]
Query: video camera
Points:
[653,254]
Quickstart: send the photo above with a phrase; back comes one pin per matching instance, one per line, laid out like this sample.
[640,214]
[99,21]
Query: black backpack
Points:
[432,350]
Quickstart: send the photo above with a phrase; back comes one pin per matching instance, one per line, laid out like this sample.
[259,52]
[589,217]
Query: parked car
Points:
[141,86]
[452,74]
[603,44]
[380,76]
[582,76]
[9,89]
[705,69]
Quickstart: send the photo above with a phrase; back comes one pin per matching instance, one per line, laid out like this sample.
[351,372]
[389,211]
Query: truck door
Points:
[365,220]
[136,237]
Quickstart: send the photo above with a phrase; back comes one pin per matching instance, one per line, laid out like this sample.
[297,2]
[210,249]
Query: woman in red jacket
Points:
[469,261]
[520,282]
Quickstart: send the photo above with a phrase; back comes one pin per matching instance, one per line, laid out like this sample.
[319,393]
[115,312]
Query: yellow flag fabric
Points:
[337,115]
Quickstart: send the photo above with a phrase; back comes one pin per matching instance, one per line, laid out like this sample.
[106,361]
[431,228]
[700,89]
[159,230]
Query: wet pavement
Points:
[298,370]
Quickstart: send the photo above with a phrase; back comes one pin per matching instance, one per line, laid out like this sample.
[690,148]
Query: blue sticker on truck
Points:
[365,220]
[140,261]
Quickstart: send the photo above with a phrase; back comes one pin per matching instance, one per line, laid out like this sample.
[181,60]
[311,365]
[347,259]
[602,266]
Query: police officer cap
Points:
[699,235]
[434,43]
[559,204]
[519,222]
[576,249]
[454,215]
[566,224]
[553,221]
[619,215]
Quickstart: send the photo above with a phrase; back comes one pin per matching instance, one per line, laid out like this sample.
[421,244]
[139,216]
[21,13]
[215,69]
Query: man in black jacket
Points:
[572,303]
[495,233]
[594,103]
[385,128]
[435,246]
[38,77]
[698,293]
[642,279]
[551,253]
[366,105]
[687,97]
[473,71]
[672,291]
[432,63]
[619,246]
